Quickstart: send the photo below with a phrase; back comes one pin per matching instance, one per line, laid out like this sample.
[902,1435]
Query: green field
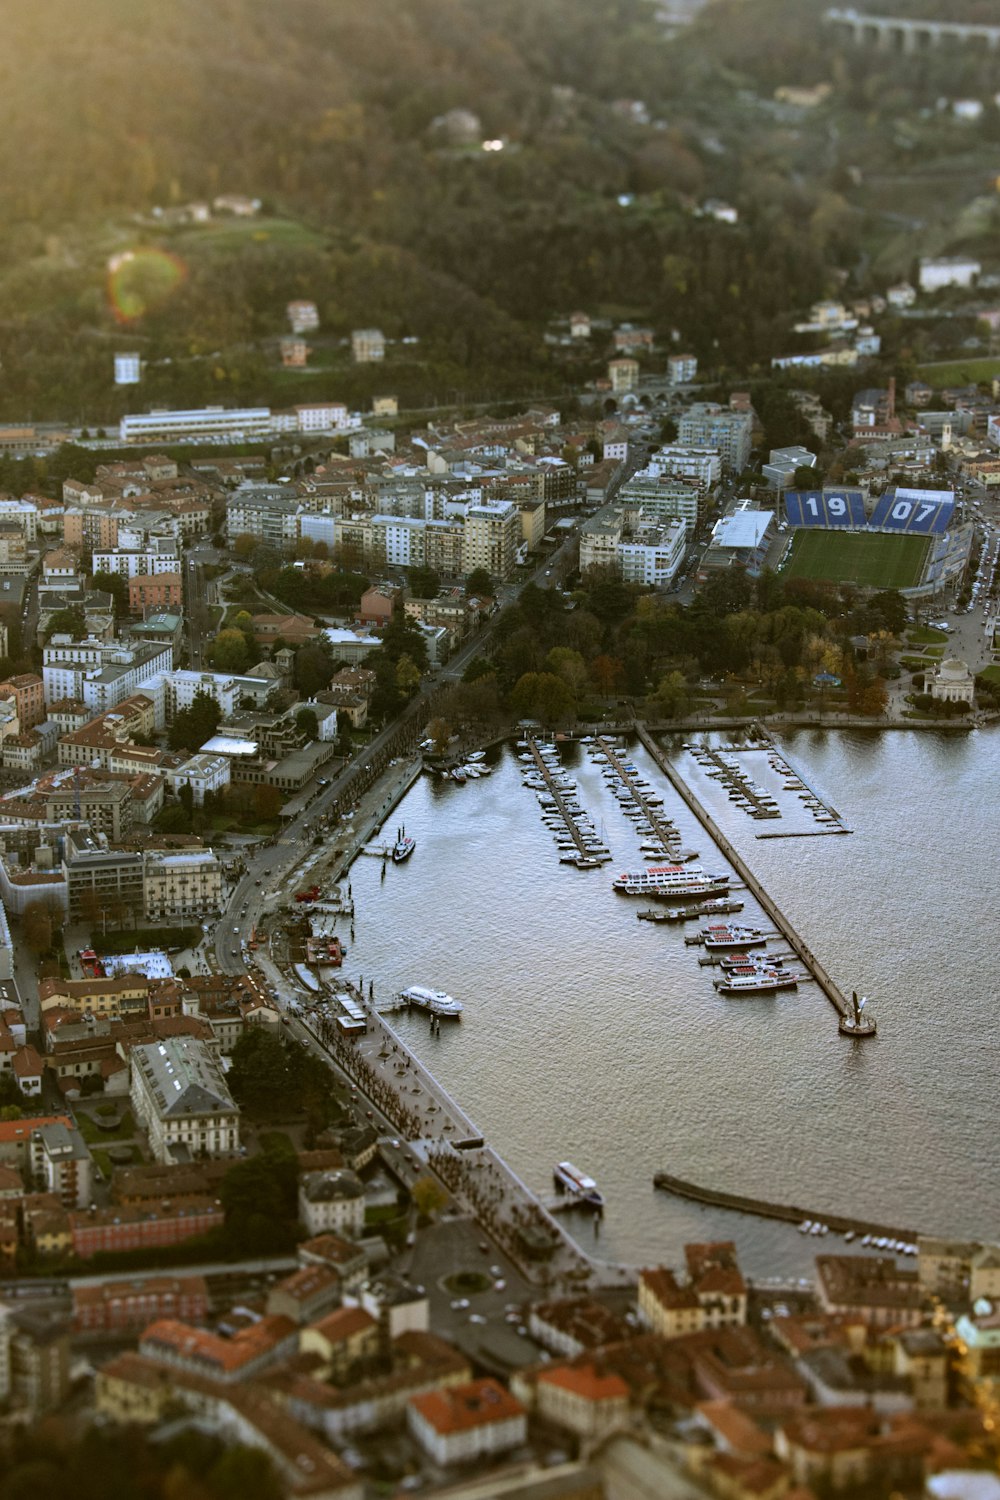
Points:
[959,372]
[874,561]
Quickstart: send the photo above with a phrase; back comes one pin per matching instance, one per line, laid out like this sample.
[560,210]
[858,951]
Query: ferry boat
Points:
[570,1179]
[762,982]
[670,880]
[403,847]
[722,939]
[435,1001]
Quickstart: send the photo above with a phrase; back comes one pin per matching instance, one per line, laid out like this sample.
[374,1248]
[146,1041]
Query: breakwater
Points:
[753,885]
[791,1213]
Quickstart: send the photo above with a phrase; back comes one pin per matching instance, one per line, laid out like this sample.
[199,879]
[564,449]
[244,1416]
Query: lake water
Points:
[592,1036]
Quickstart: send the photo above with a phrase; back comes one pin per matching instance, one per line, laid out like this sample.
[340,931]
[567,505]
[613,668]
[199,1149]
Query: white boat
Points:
[670,880]
[435,1001]
[403,847]
[571,1180]
[476,755]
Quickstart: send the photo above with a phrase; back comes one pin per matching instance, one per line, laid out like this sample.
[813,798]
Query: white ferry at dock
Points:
[671,880]
[570,1179]
[435,1001]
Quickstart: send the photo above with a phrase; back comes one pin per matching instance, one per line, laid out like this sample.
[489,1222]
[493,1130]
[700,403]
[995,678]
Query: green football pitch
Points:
[875,560]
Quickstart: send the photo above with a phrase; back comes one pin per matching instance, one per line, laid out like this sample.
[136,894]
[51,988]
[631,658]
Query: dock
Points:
[804,955]
[558,798]
[791,1213]
[661,825]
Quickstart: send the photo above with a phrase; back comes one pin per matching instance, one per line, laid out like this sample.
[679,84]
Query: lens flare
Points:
[140,280]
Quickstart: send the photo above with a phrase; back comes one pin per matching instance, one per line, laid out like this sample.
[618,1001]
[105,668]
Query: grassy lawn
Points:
[877,561]
[991,674]
[959,372]
[924,635]
[92,1132]
[228,235]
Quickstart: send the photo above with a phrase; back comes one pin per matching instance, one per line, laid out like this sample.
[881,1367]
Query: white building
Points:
[948,270]
[682,368]
[185,884]
[24,512]
[179,1094]
[127,564]
[702,466]
[322,416]
[202,422]
[101,673]
[332,1202]
[652,555]
[458,1423]
[367,345]
[951,682]
[711,426]
[202,773]
[128,368]
[779,471]
[663,497]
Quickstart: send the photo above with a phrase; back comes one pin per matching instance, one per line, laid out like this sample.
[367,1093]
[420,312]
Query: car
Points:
[236,930]
[459,1304]
[476,1318]
[500,1285]
[496,1271]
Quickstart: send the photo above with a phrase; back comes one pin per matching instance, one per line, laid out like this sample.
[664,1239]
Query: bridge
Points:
[887,32]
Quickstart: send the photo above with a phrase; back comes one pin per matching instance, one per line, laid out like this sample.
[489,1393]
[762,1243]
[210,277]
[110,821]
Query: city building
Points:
[128,368]
[190,426]
[465,1422]
[779,471]
[100,673]
[624,375]
[948,270]
[184,884]
[491,538]
[179,1093]
[730,433]
[113,1307]
[303,316]
[332,1201]
[682,368]
[367,345]
[149,592]
[951,682]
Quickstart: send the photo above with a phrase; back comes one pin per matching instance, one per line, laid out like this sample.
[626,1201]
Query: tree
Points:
[71,621]
[429,1197]
[543,696]
[245,546]
[115,585]
[267,802]
[193,726]
[407,676]
[229,651]
[307,723]
[36,924]
[440,731]
[671,698]
[606,672]
[313,670]
[424,583]
[479,584]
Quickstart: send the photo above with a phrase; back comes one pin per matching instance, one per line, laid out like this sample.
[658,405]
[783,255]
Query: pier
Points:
[558,798]
[812,964]
[664,829]
[789,1212]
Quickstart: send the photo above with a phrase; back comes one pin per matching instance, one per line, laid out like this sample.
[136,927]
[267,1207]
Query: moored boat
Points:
[570,1179]
[435,1001]
[403,847]
[670,880]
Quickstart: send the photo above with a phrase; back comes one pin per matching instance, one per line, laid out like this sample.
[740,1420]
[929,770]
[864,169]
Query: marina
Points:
[651,1020]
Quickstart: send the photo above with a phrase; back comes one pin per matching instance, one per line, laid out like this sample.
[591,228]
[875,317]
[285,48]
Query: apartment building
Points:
[266,512]
[133,563]
[367,345]
[102,674]
[708,425]
[151,591]
[491,538]
[202,422]
[183,884]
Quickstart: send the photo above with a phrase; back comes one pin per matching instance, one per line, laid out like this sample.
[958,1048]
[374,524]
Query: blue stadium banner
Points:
[827,509]
[916,512]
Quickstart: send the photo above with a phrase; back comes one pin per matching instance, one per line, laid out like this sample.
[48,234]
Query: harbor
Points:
[805,956]
[541,1058]
[862,1229]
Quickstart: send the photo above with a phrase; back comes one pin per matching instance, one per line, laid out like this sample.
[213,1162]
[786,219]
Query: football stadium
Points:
[908,542]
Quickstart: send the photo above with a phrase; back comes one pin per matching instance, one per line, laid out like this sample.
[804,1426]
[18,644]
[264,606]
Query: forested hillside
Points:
[326,111]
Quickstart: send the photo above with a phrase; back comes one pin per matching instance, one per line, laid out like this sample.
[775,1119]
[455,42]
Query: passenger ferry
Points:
[723,939]
[670,880]
[570,1179]
[762,982]
[435,1001]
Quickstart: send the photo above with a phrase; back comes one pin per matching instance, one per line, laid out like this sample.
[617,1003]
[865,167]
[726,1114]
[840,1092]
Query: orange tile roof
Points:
[463,1408]
[344,1323]
[585,1381]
